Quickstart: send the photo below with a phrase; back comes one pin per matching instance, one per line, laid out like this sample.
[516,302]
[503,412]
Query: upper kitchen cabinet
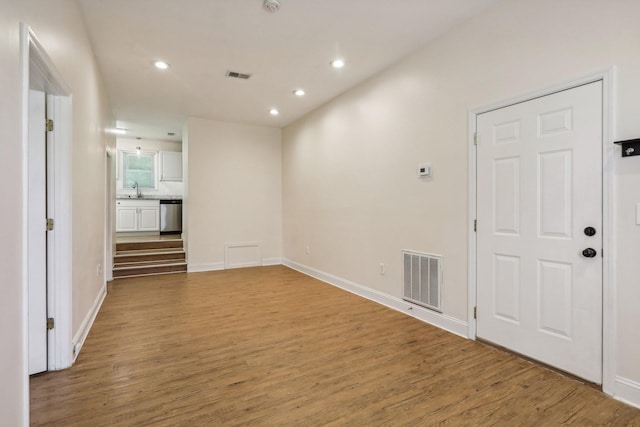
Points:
[171,166]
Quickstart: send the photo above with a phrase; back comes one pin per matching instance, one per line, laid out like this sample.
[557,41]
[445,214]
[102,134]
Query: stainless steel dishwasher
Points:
[170,216]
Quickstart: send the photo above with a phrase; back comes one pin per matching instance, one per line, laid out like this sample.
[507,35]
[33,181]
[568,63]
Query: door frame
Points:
[109,229]
[609,341]
[36,64]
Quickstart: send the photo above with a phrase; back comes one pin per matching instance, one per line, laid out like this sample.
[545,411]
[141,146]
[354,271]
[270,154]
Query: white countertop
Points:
[149,197]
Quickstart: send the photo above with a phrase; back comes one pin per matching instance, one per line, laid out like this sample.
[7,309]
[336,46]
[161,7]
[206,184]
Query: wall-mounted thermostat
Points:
[424,169]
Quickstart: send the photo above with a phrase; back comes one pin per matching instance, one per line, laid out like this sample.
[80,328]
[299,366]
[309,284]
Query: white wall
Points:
[165,188]
[350,191]
[60,29]
[234,190]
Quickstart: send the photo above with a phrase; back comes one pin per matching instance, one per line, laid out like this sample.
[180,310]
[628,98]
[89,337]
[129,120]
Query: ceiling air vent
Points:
[236,75]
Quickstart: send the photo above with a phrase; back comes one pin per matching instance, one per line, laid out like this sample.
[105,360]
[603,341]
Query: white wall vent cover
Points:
[422,279]
[240,255]
[236,75]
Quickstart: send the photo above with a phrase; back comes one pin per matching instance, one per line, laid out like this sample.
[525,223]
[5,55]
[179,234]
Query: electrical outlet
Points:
[382,268]
[307,250]
[99,270]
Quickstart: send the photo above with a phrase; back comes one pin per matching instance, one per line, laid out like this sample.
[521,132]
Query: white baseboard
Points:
[442,321]
[242,265]
[627,391]
[87,323]
[198,268]
[216,266]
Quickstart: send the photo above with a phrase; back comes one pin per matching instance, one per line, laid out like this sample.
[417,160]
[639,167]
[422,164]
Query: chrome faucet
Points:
[137,188]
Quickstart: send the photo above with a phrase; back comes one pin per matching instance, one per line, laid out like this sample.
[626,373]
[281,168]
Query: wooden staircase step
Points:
[149,269]
[148,256]
[150,244]
[148,263]
[150,251]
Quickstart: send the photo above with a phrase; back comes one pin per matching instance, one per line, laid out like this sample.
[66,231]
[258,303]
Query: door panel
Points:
[539,178]
[37,238]
[506,187]
[555,204]
[506,289]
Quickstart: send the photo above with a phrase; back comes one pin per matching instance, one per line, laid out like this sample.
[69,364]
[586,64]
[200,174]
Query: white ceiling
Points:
[285,50]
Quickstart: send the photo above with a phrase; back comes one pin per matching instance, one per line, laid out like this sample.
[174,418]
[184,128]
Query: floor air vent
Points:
[422,278]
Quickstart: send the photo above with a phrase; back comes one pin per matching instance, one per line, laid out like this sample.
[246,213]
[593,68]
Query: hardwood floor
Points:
[270,346]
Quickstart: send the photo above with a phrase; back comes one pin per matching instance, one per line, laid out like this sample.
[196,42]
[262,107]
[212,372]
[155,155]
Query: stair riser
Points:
[149,270]
[148,257]
[160,244]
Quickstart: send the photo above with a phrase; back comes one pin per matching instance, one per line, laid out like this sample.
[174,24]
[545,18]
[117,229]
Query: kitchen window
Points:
[140,169]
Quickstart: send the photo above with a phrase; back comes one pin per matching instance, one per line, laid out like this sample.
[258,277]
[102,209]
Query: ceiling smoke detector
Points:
[271,5]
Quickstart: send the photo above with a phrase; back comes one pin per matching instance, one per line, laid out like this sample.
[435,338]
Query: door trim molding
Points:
[110,212]
[609,341]
[35,63]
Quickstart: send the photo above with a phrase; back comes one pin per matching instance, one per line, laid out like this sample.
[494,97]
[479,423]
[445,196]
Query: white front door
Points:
[539,209]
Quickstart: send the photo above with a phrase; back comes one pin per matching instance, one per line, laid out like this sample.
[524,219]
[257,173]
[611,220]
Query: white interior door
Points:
[37,238]
[539,189]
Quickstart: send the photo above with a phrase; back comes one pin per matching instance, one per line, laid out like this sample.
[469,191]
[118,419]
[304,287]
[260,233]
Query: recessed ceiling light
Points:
[161,65]
[274,112]
[299,92]
[337,63]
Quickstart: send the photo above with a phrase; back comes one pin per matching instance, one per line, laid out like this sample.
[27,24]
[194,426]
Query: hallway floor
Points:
[271,346]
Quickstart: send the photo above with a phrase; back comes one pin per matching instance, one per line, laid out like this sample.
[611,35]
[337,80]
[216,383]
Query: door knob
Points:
[590,231]
[589,252]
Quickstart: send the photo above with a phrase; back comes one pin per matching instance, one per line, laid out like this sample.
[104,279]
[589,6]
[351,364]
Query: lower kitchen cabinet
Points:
[137,215]
[126,218]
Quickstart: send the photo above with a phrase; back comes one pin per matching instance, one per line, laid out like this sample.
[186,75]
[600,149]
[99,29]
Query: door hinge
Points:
[49,224]
[49,125]
[475,138]
[475,225]
[475,312]
[50,323]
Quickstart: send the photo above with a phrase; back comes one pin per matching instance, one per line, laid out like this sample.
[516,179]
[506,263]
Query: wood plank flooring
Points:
[270,346]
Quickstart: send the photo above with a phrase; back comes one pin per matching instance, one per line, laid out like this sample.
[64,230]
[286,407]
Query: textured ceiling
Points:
[285,50]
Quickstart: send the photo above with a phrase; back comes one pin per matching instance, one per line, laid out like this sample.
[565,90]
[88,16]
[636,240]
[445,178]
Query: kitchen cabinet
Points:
[126,218]
[170,166]
[137,215]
